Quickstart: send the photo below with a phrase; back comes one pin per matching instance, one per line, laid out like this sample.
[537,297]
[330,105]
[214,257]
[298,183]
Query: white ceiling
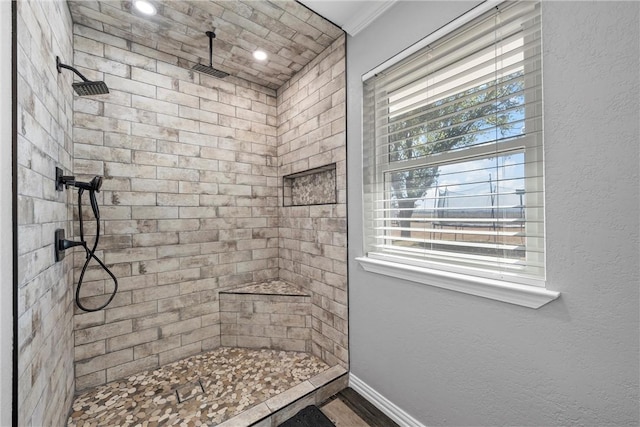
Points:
[351,15]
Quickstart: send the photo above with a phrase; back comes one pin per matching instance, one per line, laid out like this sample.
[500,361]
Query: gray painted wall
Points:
[6,256]
[452,359]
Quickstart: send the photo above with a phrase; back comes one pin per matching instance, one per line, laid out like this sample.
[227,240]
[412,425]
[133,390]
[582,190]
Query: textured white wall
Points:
[6,278]
[453,359]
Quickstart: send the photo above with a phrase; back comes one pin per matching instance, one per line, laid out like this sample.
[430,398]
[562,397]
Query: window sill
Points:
[513,293]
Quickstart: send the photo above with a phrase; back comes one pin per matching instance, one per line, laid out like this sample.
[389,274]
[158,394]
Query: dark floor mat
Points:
[310,416]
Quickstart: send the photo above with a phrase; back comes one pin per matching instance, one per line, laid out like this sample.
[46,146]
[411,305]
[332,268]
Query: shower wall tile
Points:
[45,320]
[189,203]
[312,239]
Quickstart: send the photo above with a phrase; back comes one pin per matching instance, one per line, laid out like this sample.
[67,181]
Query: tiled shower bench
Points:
[273,314]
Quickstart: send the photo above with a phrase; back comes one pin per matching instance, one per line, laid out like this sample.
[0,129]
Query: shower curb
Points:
[280,408]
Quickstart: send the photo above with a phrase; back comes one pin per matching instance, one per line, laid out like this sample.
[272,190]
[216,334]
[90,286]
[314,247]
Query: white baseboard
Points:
[382,403]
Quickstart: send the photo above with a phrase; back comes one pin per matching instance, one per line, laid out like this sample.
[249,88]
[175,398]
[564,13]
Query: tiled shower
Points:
[211,187]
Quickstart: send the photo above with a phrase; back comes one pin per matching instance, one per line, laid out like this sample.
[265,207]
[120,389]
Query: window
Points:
[453,154]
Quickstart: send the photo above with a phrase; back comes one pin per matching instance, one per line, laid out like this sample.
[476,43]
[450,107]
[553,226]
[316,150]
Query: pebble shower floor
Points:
[202,390]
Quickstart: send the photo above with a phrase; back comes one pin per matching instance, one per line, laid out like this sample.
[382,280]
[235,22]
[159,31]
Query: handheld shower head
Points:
[85,87]
[94,185]
[61,244]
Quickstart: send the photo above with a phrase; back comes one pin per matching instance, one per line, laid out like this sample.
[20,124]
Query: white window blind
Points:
[453,155]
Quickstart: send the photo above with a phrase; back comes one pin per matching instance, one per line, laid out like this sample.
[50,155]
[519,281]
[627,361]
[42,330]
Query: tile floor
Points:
[202,390]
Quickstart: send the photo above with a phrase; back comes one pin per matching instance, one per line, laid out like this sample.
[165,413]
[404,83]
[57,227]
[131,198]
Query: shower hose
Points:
[91,252]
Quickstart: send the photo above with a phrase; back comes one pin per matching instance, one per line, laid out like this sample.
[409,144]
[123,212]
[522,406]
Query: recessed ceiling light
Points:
[145,7]
[260,55]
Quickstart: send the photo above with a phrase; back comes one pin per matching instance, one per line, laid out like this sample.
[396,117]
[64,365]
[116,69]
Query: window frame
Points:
[525,144]
[499,286]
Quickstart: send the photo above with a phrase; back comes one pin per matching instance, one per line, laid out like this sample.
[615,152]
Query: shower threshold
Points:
[227,387]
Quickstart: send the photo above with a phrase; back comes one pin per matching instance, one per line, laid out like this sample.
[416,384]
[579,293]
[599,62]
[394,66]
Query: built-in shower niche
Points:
[315,186]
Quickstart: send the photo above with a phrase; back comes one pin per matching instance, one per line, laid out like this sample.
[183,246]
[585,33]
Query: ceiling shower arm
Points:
[60,65]
[211,35]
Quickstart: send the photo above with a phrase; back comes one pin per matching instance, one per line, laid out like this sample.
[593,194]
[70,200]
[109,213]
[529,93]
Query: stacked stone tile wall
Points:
[189,202]
[313,240]
[45,312]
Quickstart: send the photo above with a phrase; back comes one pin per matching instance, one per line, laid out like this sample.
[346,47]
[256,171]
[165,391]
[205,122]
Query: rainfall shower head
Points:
[86,87]
[208,69]
[90,88]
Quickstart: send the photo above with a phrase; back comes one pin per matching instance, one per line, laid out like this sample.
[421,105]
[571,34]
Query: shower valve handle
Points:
[64,244]
[61,244]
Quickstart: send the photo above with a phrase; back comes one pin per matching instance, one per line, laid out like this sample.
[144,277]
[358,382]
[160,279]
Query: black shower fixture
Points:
[86,87]
[61,244]
[94,185]
[208,69]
